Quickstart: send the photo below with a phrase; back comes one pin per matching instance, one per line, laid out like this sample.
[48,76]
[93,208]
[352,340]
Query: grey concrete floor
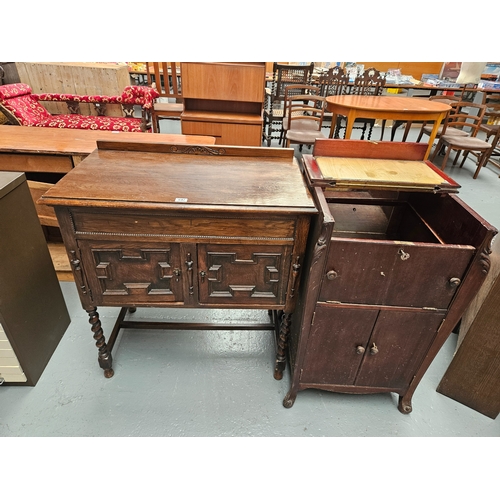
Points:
[220,384]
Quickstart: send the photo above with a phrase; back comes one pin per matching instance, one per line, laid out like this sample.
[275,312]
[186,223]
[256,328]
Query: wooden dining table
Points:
[386,107]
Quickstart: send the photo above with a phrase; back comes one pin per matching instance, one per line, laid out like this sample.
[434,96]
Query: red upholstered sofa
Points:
[23,108]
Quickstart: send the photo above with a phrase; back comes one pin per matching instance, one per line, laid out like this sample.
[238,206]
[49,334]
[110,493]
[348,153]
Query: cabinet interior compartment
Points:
[379,221]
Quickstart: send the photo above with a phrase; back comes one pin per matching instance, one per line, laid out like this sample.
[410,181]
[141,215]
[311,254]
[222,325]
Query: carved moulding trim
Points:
[197,150]
[140,235]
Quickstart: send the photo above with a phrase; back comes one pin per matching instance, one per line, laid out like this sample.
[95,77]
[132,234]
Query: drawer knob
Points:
[454,282]
[331,275]
[2,380]
[360,349]
[403,254]
[374,349]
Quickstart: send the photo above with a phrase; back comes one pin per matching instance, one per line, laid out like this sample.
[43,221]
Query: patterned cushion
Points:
[78,98]
[14,90]
[26,109]
[92,123]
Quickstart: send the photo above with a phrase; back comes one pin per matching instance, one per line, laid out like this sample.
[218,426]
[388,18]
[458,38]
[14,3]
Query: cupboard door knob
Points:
[454,282]
[331,275]
[374,349]
[403,254]
[360,349]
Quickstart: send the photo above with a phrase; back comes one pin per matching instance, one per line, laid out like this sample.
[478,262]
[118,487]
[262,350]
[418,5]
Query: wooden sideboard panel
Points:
[224,100]
[224,81]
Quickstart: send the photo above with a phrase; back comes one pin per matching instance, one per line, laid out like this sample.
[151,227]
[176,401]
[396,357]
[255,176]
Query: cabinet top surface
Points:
[39,140]
[226,178]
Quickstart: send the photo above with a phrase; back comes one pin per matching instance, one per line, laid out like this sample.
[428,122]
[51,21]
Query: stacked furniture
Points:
[224,100]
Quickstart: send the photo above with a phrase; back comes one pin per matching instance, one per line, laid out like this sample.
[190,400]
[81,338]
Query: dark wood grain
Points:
[385,288]
[153,226]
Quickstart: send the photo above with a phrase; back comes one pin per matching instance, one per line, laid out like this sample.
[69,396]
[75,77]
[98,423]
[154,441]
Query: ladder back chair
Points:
[165,77]
[305,118]
[291,91]
[467,117]
[284,75]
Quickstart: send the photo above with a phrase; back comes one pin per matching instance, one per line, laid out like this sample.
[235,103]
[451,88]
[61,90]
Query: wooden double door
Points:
[152,272]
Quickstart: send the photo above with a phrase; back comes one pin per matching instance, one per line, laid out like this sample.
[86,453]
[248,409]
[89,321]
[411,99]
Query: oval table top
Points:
[387,103]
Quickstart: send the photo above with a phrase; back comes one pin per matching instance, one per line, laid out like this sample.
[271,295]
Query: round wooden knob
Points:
[360,349]
[331,275]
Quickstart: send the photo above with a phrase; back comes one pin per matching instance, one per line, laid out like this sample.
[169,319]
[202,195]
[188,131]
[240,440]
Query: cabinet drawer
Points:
[111,225]
[213,129]
[10,370]
[394,273]
[384,253]
[18,162]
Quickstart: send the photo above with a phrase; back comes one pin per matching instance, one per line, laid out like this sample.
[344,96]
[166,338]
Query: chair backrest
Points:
[298,90]
[334,82]
[165,77]
[305,107]
[371,82]
[465,115]
[285,75]
[492,113]
[22,105]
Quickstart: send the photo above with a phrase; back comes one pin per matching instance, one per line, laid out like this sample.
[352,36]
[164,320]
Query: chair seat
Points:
[450,131]
[113,123]
[301,124]
[472,143]
[168,107]
[304,136]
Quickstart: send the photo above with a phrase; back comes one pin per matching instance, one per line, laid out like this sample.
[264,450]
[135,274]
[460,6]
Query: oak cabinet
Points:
[179,226]
[388,274]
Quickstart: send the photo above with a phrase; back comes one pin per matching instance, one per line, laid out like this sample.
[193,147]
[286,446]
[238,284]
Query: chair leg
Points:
[407,131]
[436,150]
[464,157]
[382,131]
[445,159]
[483,159]
[421,133]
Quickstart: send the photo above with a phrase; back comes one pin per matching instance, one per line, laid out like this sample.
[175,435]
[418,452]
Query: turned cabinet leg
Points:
[104,355]
[281,348]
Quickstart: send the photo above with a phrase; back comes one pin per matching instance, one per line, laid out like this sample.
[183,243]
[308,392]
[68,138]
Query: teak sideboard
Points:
[184,226]
[394,258]
[224,100]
